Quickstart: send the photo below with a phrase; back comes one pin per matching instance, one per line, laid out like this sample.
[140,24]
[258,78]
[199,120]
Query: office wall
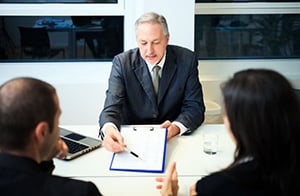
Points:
[81,86]
[179,15]
[213,73]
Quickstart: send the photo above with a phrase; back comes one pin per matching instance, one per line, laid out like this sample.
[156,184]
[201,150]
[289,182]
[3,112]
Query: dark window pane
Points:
[247,36]
[81,37]
[58,1]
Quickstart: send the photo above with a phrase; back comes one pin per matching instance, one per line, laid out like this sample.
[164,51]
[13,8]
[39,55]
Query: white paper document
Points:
[147,145]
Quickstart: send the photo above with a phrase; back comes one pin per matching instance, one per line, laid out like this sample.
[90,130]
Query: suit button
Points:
[154,115]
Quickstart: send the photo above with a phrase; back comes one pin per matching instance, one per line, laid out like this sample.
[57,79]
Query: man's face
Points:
[151,41]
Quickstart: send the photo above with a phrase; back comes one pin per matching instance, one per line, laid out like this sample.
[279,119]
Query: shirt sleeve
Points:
[182,128]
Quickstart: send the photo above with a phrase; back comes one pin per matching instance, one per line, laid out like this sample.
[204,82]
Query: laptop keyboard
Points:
[74,146]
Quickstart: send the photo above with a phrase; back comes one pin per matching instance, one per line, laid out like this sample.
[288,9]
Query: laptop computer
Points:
[78,144]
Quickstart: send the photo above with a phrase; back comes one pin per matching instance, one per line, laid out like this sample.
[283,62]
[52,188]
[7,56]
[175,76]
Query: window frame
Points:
[247,8]
[61,9]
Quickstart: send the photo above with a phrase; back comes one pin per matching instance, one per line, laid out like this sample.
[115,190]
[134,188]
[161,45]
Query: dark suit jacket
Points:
[23,176]
[130,98]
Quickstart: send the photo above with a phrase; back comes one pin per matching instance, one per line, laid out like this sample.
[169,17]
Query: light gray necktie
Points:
[156,78]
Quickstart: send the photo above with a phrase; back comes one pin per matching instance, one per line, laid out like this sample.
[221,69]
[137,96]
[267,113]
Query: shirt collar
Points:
[160,63]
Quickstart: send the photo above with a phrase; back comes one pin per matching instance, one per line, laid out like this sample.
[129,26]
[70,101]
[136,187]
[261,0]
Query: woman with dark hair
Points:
[262,115]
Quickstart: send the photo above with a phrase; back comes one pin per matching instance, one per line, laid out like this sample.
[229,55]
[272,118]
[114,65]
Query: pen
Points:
[131,152]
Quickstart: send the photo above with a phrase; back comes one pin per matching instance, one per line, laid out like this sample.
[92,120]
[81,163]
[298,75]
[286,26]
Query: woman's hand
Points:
[169,184]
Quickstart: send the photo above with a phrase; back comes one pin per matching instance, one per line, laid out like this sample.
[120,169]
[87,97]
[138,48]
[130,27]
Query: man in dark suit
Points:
[131,97]
[30,139]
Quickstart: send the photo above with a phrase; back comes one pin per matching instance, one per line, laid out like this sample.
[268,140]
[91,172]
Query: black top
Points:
[244,179]
[23,176]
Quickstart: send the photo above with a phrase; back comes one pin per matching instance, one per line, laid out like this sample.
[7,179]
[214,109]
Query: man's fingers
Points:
[166,124]
[118,138]
[114,141]
[61,149]
[112,145]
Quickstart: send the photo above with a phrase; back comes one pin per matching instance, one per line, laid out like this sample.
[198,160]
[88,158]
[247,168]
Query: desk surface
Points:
[192,163]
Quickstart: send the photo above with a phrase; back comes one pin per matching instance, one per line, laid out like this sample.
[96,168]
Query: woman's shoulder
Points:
[243,179]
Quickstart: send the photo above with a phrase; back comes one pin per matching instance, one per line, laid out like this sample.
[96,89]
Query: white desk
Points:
[192,163]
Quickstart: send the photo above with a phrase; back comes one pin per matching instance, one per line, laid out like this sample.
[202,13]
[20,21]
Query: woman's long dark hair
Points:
[264,115]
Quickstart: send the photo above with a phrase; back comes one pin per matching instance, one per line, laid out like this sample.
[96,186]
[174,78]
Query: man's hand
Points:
[60,151]
[169,184]
[113,140]
[173,130]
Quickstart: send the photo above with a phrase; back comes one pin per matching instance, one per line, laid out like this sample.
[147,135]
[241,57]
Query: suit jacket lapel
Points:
[169,70]
[143,75]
